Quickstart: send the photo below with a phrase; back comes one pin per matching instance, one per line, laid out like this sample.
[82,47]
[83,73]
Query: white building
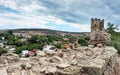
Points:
[11,50]
[49,49]
[24,52]
[1,45]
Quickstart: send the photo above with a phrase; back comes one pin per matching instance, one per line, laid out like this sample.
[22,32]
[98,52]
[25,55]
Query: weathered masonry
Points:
[98,33]
[97,24]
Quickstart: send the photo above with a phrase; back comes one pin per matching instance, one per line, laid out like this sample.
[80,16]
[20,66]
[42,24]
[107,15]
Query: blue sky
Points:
[65,15]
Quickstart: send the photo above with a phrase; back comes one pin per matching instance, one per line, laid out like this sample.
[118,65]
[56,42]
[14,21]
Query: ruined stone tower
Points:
[98,34]
[97,24]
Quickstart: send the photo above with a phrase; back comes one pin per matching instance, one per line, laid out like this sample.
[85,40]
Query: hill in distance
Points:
[47,31]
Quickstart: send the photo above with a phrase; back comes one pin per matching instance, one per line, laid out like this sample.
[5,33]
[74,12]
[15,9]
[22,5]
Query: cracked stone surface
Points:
[79,61]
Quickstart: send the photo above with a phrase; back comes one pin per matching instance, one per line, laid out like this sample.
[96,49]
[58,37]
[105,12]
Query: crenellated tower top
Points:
[97,24]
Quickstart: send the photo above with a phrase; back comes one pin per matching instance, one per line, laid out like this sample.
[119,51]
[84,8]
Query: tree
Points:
[58,45]
[82,42]
[43,39]
[52,38]
[8,35]
[34,39]
[73,39]
[19,43]
[10,32]
[115,41]
[2,51]
[111,27]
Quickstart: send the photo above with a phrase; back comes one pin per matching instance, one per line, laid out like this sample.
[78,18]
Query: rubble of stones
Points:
[61,62]
[99,37]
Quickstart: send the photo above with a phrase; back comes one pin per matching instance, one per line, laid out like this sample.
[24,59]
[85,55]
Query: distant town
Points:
[26,42]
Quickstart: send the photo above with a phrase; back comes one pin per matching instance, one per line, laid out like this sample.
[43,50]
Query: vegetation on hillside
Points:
[35,42]
[2,51]
[38,41]
[115,36]
[83,41]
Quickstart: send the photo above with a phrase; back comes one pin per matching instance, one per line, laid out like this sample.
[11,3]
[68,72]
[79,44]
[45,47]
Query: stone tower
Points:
[97,24]
[98,34]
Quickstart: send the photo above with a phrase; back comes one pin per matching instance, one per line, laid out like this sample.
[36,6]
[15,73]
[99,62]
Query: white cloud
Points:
[22,21]
[9,3]
[116,15]
[72,13]
[81,27]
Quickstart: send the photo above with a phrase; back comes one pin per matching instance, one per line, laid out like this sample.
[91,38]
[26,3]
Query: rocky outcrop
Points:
[103,63]
[80,61]
[99,37]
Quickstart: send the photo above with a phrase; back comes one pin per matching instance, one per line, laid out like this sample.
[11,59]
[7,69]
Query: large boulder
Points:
[103,62]
[93,66]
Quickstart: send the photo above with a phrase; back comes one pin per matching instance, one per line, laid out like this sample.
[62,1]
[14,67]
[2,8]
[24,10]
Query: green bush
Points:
[57,45]
[82,42]
[2,51]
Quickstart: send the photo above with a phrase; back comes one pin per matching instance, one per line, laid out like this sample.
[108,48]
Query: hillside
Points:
[48,31]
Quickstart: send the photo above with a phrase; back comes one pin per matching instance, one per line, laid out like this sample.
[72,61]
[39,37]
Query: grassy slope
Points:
[115,41]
